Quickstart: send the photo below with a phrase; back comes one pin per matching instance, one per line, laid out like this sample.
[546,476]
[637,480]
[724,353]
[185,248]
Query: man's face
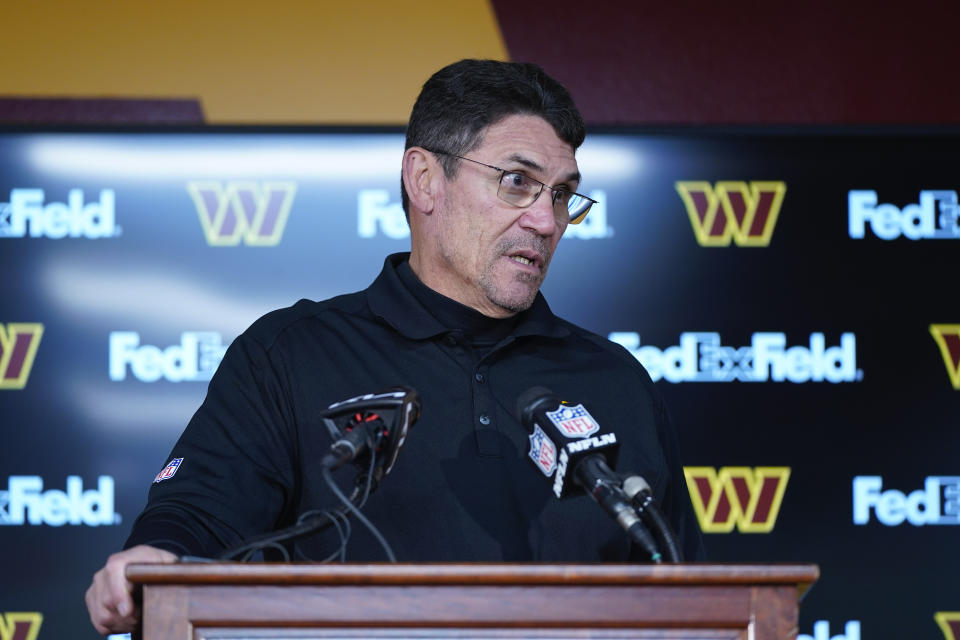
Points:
[489,254]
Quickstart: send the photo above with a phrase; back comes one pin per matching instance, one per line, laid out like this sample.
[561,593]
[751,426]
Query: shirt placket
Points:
[486,428]
[483,411]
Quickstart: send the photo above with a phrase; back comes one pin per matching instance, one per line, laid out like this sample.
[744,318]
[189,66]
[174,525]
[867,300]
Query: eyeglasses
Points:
[521,190]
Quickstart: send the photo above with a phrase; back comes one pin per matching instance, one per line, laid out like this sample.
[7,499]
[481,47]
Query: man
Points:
[489,180]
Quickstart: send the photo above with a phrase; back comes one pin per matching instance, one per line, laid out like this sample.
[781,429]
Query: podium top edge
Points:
[224,573]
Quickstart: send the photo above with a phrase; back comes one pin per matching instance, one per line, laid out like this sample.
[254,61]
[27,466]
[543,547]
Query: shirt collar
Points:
[391,299]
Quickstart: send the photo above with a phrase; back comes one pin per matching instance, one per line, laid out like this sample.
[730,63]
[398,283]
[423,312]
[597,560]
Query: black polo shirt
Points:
[463,488]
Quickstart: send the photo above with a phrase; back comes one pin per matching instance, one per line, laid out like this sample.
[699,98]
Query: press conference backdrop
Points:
[794,294]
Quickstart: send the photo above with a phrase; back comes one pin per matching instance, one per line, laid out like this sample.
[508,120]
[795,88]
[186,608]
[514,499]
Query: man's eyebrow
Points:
[530,164]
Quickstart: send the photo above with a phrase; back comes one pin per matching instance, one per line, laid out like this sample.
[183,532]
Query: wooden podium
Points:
[227,601]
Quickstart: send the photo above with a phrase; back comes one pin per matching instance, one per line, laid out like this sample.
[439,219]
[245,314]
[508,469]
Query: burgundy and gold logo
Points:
[741,497]
[744,212]
[248,212]
[18,347]
[948,339]
[20,625]
[949,623]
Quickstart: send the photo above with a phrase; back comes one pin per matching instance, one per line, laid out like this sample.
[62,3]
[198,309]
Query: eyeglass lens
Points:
[522,191]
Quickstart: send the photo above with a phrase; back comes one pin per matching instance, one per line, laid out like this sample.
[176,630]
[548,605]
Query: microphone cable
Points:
[357,428]
[638,491]
[340,522]
[354,511]
[313,521]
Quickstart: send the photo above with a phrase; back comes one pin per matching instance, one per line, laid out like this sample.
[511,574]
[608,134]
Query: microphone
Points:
[568,444]
[638,491]
[375,422]
[561,435]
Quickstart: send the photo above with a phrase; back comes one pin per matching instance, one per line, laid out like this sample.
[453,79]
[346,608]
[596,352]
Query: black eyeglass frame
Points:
[573,219]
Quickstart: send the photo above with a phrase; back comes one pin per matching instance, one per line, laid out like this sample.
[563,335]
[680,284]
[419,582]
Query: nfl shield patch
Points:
[542,451]
[573,421]
[168,470]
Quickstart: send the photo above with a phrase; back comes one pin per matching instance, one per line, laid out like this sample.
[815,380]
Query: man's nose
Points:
[540,216]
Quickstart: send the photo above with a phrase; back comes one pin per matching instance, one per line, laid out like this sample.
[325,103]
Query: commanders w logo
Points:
[949,622]
[247,211]
[20,625]
[732,210]
[18,347]
[747,498]
[948,339]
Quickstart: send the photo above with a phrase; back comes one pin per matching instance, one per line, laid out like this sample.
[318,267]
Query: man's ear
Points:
[422,177]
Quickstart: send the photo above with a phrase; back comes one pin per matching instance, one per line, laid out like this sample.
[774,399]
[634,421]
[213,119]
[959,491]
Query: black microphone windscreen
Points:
[530,399]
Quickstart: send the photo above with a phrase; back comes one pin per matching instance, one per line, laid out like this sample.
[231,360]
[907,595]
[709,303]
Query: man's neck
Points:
[454,315]
[425,276]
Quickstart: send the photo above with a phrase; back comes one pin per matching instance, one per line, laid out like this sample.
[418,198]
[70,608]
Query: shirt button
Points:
[484,419]
[479,377]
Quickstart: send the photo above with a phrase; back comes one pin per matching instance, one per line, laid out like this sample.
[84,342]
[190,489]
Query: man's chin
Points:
[516,299]
[511,291]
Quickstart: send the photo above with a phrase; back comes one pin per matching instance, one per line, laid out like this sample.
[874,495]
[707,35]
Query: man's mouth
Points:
[530,254]
[521,259]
